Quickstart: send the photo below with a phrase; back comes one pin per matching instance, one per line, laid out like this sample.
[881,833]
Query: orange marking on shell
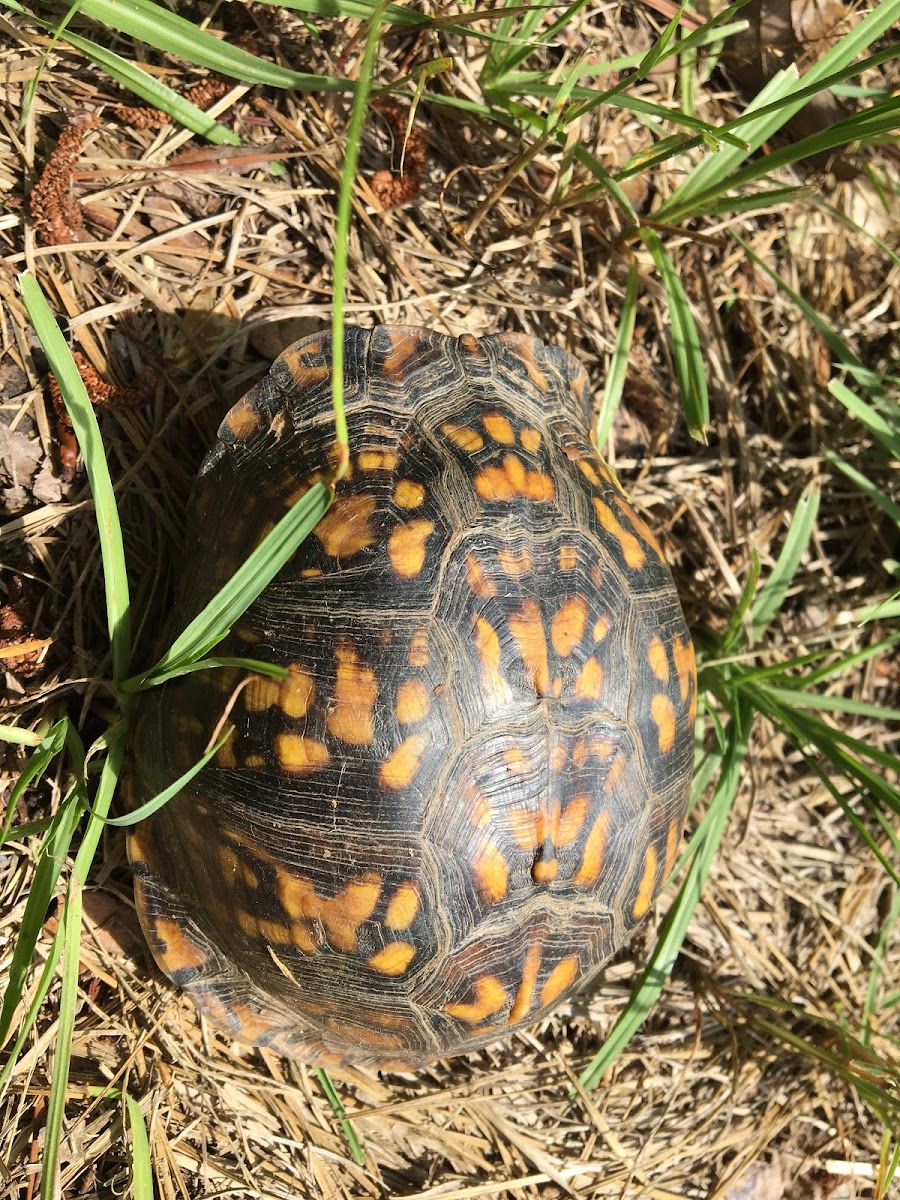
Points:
[400,769]
[558,755]
[587,748]
[179,953]
[302,938]
[225,755]
[527,628]
[572,819]
[587,470]
[228,861]
[297,692]
[261,693]
[247,923]
[663,713]
[499,428]
[533,827]
[403,906]
[490,996]
[516,760]
[646,886]
[594,851]
[345,912]
[525,995]
[568,625]
[463,437]
[362,1033]
[304,372]
[683,653]
[515,562]
[544,870]
[568,558]
[632,550]
[419,652]
[243,421]
[640,526]
[243,1022]
[656,656]
[512,480]
[352,719]
[346,528]
[300,755]
[392,960]
[673,837]
[412,702]
[274,932]
[403,349]
[531,440]
[377,460]
[254,760]
[311,573]
[615,772]
[487,646]
[589,683]
[560,978]
[341,915]
[601,627]
[491,872]
[406,547]
[478,579]
[142,847]
[408,493]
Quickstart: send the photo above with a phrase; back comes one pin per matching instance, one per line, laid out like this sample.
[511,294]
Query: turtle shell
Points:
[472,784]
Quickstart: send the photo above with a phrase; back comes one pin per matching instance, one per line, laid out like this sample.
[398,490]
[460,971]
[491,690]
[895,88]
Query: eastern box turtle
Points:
[472,785]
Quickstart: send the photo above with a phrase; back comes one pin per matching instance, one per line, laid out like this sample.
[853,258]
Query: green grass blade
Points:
[109,777]
[141,1165]
[162,798]
[505,58]
[48,747]
[88,433]
[772,593]
[394,14]
[708,176]
[618,367]
[734,632]
[800,697]
[870,124]
[59,1080]
[167,31]
[687,354]
[19,737]
[213,623]
[153,91]
[874,422]
[349,1132]
[865,377]
[54,851]
[137,683]
[865,484]
[342,232]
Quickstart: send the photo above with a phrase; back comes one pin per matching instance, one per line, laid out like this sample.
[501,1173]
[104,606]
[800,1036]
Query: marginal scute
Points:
[472,782]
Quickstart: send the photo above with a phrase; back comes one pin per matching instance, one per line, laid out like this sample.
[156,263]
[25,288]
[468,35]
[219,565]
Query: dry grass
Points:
[195,263]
